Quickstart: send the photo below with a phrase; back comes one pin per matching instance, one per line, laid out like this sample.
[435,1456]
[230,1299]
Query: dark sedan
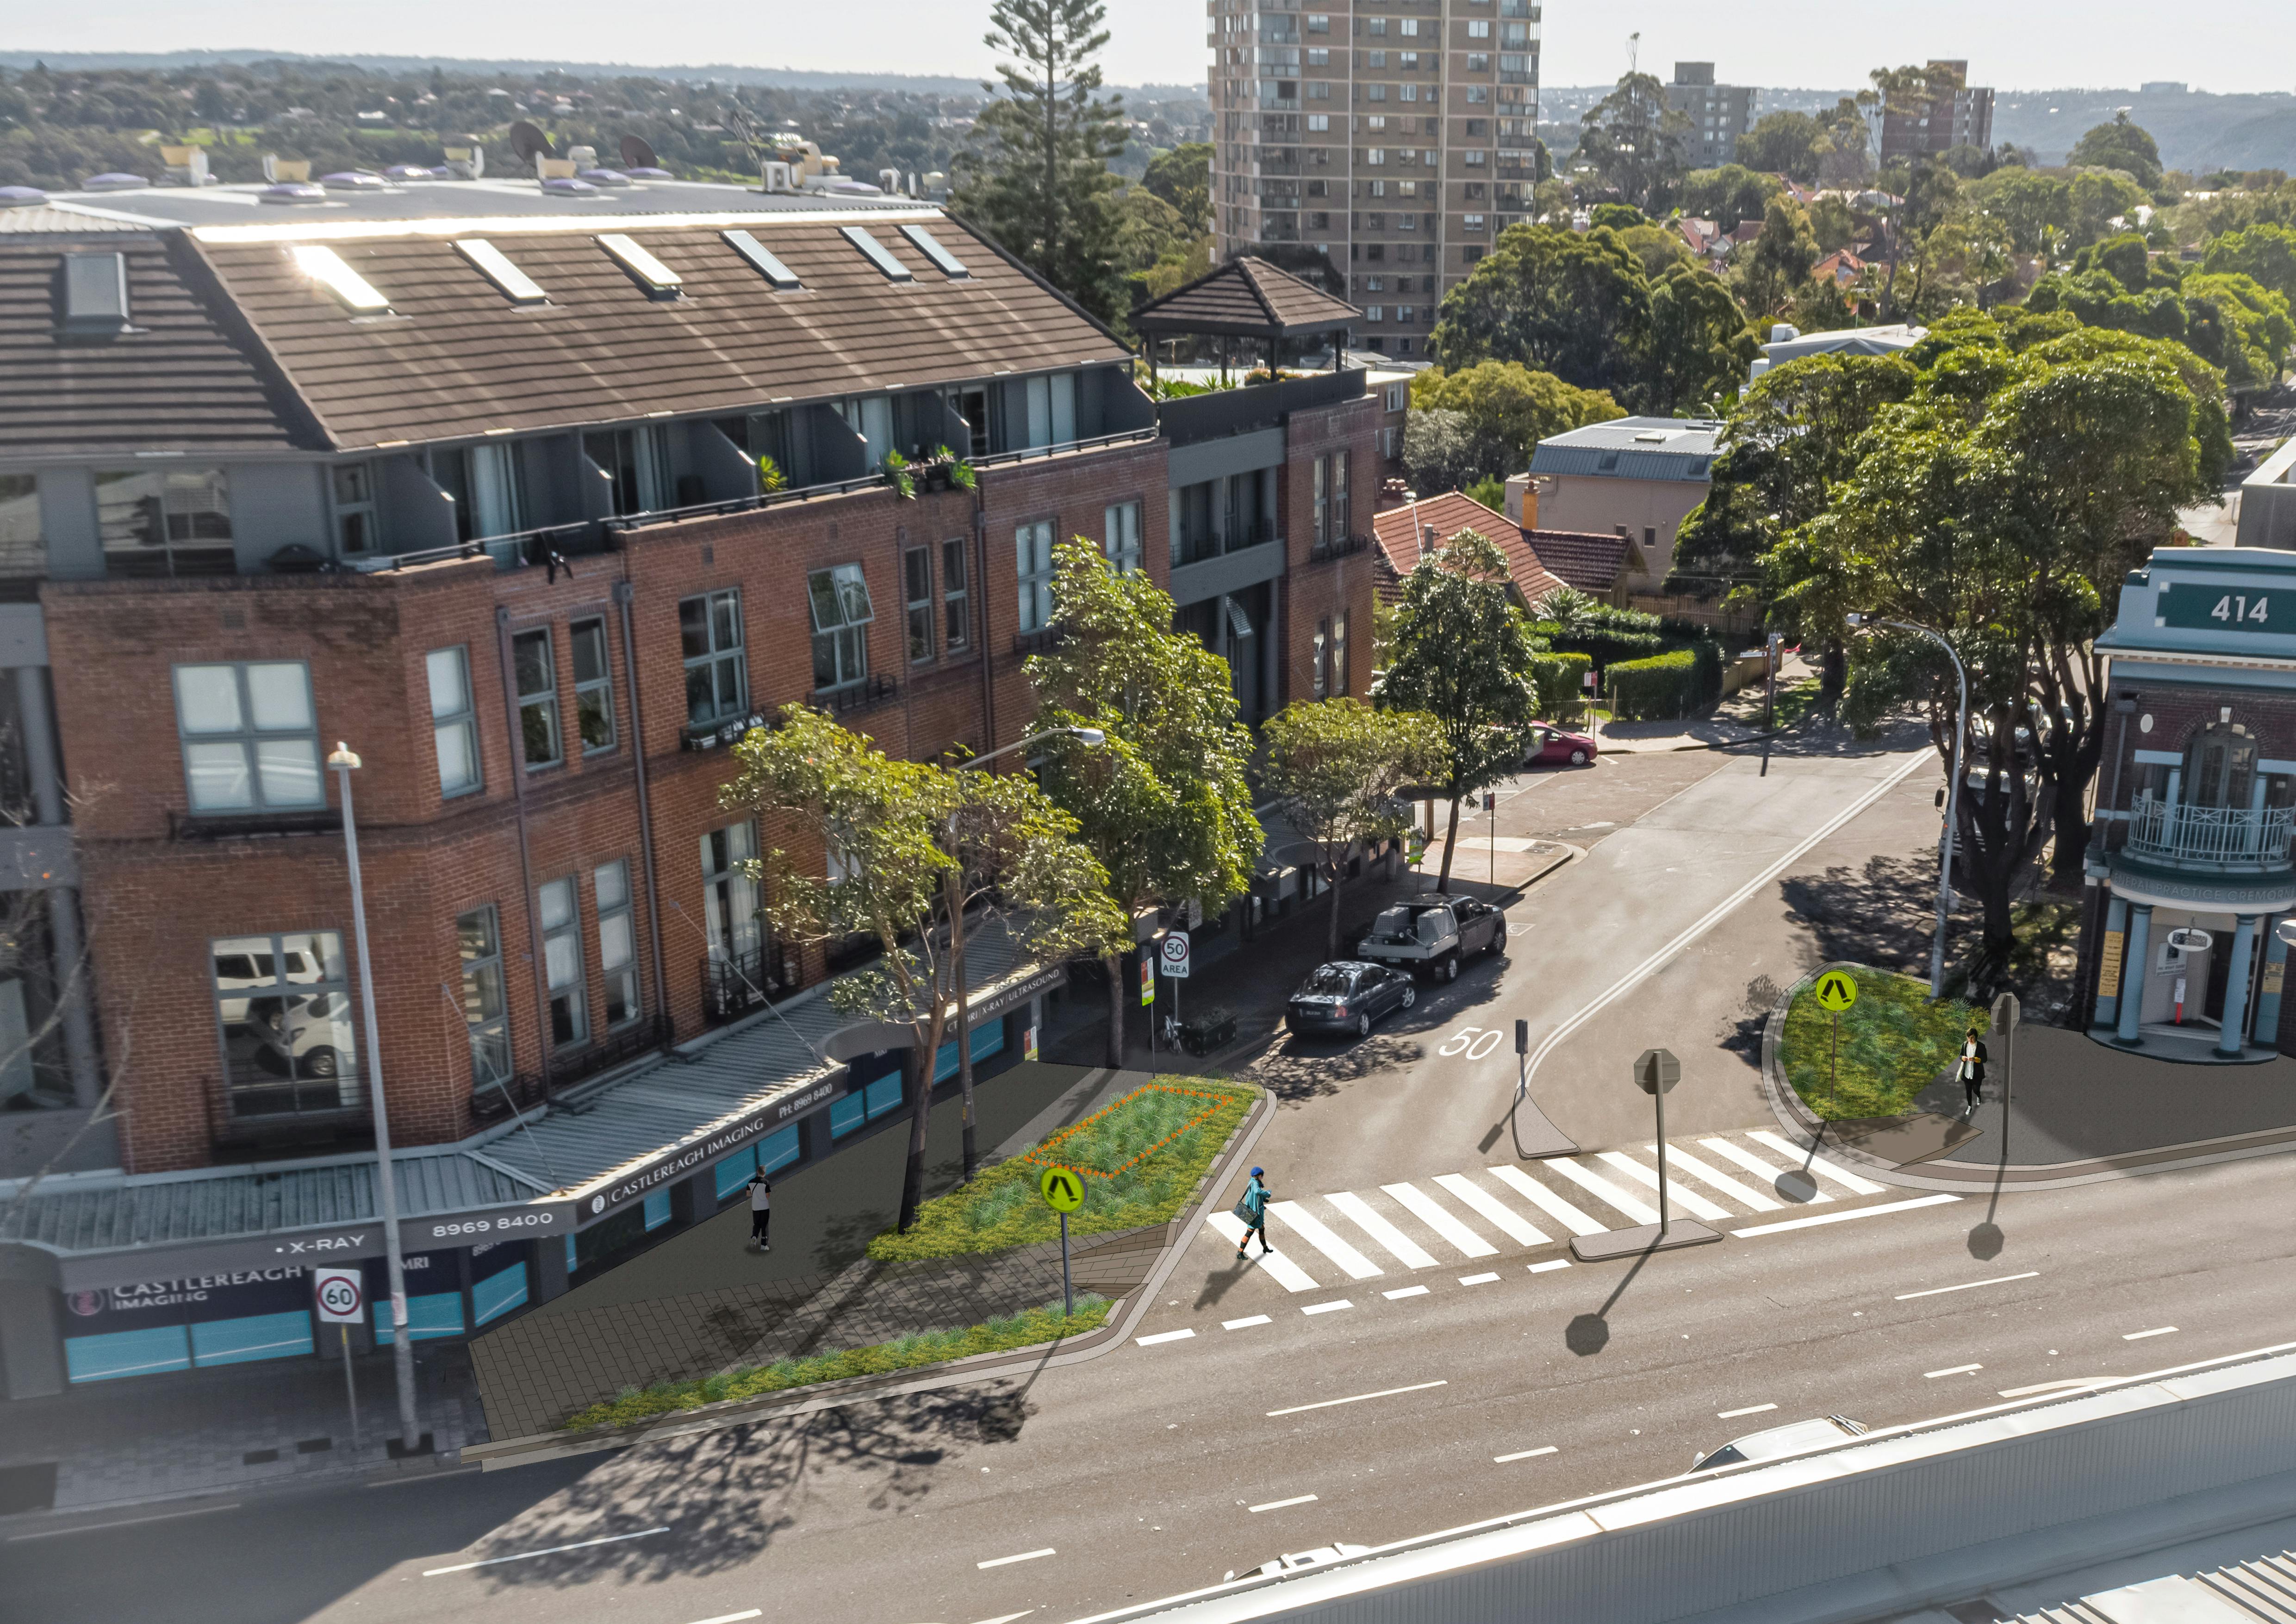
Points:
[1347,995]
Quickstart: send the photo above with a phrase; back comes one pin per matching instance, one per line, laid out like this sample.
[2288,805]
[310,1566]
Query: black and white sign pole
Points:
[350,1390]
[402,1348]
[1655,1072]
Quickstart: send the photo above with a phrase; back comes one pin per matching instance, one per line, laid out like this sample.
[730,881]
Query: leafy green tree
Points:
[1463,657]
[1617,217]
[1832,223]
[1336,768]
[2097,197]
[2031,206]
[1844,151]
[1509,408]
[2266,253]
[1148,229]
[1036,177]
[1576,306]
[1779,143]
[1182,177]
[1700,345]
[918,846]
[1734,192]
[2119,145]
[1161,801]
[1441,450]
[1772,269]
[1657,247]
[1636,141]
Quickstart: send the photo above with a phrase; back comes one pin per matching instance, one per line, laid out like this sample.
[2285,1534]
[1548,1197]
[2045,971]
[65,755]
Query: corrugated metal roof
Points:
[1632,449]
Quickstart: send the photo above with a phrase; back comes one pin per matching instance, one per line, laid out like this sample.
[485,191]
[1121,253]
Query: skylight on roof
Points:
[783,279]
[517,286]
[878,254]
[325,266]
[655,275]
[949,264]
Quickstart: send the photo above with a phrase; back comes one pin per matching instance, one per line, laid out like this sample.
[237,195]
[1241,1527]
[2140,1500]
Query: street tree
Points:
[1336,768]
[1509,408]
[1161,801]
[1638,143]
[1182,177]
[1773,269]
[1735,192]
[1036,177]
[2121,145]
[1701,345]
[1462,657]
[922,860]
[2266,253]
[1780,143]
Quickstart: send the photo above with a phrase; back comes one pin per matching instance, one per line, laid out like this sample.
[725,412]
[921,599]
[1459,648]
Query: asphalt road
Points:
[1135,1475]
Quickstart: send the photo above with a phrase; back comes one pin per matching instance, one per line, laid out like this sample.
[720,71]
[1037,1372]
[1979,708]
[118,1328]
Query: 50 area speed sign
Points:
[1172,954]
[341,1294]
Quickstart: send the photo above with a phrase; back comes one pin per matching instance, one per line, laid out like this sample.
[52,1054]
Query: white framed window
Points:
[916,593]
[1473,222]
[838,599]
[1376,26]
[1410,93]
[1121,535]
[709,640]
[1319,56]
[1052,410]
[1478,29]
[283,1008]
[1409,27]
[165,521]
[1375,155]
[1375,93]
[594,687]
[1374,313]
[454,722]
[1319,23]
[534,665]
[1475,155]
[955,598]
[1319,122]
[251,738]
[1032,550]
[729,895]
[561,962]
[479,937]
[618,954]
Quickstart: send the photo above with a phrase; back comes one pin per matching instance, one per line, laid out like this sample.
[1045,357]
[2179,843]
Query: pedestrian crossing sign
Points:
[1062,1189]
[1837,990]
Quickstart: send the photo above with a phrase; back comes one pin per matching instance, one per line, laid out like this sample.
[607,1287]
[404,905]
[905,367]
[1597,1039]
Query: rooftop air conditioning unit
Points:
[187,166]
[890,180]
[466,162]
[775,176]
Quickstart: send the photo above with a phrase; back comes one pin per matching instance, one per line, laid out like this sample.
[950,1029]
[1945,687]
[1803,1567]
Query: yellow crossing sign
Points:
[1837,990]
[1062,1189]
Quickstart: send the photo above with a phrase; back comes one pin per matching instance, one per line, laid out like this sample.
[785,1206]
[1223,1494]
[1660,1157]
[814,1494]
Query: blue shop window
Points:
[847,1114]
[657,1208]
[498,1294]
[987,1038]
[127,1353]
[884,1094]
[572,1262]
[241,1341]
[438,1315]
[778,1151]
[735,1171]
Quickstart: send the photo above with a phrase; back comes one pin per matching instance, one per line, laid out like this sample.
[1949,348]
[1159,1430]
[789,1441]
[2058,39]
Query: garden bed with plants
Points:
[1142,1156]
[1894,1044]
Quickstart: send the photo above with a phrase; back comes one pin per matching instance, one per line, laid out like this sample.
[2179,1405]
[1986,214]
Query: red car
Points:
[1552,747]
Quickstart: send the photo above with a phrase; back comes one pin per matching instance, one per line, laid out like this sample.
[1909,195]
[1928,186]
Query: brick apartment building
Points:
[469,480]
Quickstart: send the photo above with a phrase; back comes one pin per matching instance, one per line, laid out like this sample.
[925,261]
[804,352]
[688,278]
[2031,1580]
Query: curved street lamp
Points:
[1953,793]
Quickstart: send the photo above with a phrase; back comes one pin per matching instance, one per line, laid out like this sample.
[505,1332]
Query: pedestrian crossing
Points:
[1381,1231]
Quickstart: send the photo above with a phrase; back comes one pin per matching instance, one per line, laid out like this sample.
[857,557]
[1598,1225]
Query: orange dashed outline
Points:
[1040,1155]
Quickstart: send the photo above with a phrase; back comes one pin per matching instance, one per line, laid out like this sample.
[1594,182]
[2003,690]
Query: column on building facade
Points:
[2132,972]
[45,765]
[2111,960]
[2267,1026]
[2236,983]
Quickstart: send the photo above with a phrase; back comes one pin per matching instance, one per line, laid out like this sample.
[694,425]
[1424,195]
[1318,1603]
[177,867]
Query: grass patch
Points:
[1045,1325]
[1894,1043]
[1142,1156]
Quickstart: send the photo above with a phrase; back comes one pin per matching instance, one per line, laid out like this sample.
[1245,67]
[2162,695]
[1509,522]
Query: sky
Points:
[2228,45]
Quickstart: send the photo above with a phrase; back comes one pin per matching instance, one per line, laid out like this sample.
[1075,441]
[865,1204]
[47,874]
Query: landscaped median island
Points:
[1894,1043]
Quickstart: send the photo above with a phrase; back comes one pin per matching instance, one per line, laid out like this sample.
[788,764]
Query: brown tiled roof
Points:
[1450,513]
[1589,561]
[1247,298]
[177,380]
[455,358]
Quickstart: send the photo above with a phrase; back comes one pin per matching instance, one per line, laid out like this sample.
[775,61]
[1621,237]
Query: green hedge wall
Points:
[1561,680]
[1672,684]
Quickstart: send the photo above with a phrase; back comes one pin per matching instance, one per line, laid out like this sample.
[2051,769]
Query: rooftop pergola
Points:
[1246,299]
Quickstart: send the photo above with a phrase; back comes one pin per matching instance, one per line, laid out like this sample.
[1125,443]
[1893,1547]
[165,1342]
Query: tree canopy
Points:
[1336,768]
[1637,141]
[2119,145]
[1508,409]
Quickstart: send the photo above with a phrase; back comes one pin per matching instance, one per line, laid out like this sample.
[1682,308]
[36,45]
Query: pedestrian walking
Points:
[1252,1209]
[761,1209]
[1972,1072]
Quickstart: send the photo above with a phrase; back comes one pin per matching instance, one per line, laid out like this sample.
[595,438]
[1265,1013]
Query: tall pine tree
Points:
[1036,177]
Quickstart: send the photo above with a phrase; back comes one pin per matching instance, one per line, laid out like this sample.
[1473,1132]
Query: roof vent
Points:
[657,278]
[326,266]
[950,266]
[516,286]
[769,266]
[878,254]
[95,295]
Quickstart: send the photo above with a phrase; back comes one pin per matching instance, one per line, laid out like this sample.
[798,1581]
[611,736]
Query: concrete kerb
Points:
[1126,1313]
[1806,1129]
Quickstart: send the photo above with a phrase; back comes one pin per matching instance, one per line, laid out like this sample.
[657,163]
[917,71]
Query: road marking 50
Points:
[1474,1042]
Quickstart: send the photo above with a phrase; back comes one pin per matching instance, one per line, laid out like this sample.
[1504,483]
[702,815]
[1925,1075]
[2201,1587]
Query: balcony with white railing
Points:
[2221,840]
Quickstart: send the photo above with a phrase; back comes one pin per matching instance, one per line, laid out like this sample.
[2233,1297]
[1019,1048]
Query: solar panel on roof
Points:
[655,275]
[517,286]
[950,264]
[877,253]
[783,279]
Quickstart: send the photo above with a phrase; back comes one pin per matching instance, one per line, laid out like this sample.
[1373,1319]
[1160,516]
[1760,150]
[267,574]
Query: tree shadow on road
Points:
[1881,914]
[1743,1035]
[1299,1070]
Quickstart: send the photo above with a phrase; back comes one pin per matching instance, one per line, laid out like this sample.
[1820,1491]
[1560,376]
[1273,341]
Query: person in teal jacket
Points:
[1253,1211]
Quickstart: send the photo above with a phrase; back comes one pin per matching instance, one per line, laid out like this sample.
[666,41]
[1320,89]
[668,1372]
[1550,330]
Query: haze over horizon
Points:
[1795,42]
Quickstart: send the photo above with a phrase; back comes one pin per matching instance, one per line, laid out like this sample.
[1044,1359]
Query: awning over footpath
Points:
[571,1164]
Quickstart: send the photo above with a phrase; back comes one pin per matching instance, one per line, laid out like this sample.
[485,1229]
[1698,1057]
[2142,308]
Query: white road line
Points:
[1968,1286]
[1676,1157]
[1546,1201]
[1313,1230]
[1540,1268]
[1007,1618]
[1240,1325]
[1602,1189]
[1359,1211]
[1847,1179]
[1408,1290]
[1163,1336]
[1760,1169]
[1521,1455]
[1288,1275]
[1837,1218]
[96,1528]
[1955,1370]
[1385,1392]
[2138,1336]
[2053,1387]
[754,1612]
[1502,1217]
[1001,1561]
[1431,1212]
[1477,1279]
[1700,1207]
[1297,1499]
[1751,1409]
[1327,1308]
[579,1545]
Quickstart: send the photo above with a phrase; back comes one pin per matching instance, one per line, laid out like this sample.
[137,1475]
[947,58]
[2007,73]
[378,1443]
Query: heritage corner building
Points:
[468,475]
[2189,870]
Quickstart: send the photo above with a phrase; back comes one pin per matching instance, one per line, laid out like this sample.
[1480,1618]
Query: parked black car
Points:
[1347,995]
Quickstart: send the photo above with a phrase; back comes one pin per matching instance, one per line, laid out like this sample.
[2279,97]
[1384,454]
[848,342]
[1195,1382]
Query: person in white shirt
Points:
[761,1209]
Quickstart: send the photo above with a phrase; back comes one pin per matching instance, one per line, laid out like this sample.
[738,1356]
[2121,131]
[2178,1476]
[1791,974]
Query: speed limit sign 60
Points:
[341,1294]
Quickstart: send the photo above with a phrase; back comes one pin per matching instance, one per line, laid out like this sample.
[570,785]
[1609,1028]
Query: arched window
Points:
[2219,766]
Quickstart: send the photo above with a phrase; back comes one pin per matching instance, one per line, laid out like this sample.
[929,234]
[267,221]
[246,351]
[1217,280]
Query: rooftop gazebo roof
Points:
[1246,299]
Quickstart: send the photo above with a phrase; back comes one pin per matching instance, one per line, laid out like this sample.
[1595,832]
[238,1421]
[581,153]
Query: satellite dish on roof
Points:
[637,155]
[530,143]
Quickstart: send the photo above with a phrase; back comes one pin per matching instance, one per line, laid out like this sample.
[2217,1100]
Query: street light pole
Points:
[402,1349]
[1952,799]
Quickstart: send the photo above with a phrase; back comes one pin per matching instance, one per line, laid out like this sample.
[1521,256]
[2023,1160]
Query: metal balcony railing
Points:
[735,983]
[2225,838]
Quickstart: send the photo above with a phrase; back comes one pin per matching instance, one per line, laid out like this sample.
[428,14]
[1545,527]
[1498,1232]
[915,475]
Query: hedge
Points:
[1666,686]
[1560,679]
